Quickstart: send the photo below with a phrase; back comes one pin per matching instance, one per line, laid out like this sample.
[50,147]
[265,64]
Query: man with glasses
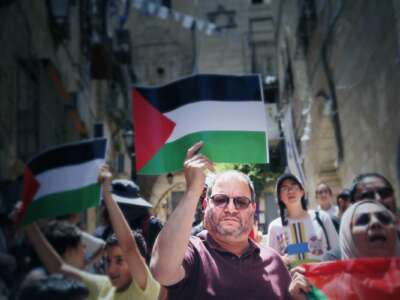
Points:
[374,186]
[221,262]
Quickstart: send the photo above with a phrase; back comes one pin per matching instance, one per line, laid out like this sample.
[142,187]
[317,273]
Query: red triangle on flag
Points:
[152,129]
[31,186]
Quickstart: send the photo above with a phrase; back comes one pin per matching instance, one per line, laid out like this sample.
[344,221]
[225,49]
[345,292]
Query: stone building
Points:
[338,71]
[59,82]
[167,48]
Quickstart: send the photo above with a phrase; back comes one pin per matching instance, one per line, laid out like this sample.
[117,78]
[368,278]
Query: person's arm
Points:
[126,240]
[48,256]
[172,242]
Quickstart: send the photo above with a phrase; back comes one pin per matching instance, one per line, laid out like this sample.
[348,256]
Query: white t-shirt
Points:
[333,211]
[303,240]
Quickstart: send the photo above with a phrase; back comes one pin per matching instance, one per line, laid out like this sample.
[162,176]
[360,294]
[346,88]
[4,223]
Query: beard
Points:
[213,223]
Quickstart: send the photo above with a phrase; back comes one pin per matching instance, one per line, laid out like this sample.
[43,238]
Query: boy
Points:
[128,275]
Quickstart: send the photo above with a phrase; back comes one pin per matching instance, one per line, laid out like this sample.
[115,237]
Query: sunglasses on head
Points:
[222,200]
[383,217]
[384,192]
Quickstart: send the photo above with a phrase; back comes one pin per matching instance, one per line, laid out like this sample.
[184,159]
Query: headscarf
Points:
[346,242]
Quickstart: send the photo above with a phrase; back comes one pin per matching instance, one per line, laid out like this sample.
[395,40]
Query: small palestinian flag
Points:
[356,279]
[62,180]
[227,113]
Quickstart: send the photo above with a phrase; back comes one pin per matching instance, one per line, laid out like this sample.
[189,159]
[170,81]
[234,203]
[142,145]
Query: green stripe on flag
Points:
[59,204]
[316,294]
[298,262]
[219,146]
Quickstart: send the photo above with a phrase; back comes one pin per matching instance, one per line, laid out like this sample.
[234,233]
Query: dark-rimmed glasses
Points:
[383,193]
[222,200]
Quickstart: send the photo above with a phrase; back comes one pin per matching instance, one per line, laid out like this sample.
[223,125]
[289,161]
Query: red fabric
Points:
[31,186]
[366,279]
[152,129]
[252,235]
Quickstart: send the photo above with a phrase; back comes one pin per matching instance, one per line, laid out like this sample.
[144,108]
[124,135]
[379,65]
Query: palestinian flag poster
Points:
[227,113]
[62,180]
[356,279]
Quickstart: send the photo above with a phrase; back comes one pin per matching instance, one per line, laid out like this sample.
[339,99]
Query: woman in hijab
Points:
[368,229]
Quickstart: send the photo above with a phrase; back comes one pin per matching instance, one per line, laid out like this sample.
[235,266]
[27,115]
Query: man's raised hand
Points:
[195,167]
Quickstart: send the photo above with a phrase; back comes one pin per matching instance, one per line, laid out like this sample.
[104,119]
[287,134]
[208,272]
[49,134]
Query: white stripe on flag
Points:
[68,178]
[217,116]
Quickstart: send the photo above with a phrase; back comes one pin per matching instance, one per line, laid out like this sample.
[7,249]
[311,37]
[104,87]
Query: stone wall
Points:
[363,57]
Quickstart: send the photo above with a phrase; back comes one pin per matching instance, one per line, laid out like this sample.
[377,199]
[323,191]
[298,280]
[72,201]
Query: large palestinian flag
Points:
[357,279]
[62,180]
[227,113]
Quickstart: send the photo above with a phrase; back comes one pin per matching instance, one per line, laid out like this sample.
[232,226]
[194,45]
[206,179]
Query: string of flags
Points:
[163,12]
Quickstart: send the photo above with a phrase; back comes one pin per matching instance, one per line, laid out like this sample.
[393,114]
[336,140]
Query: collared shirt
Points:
[214,273]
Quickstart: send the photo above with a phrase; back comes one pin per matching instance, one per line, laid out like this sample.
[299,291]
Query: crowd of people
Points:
[133,256]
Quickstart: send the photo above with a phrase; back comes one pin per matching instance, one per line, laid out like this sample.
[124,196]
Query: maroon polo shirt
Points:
[214,273]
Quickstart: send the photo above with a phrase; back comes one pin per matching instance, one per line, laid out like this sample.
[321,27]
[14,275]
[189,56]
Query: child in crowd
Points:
[128,276]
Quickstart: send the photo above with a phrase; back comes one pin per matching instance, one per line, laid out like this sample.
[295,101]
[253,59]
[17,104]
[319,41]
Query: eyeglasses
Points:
[382,216]
[287,188]
[383,192]
[222,200]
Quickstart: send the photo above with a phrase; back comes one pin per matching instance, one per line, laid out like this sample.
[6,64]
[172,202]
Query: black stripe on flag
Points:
[68,154]
[202,87]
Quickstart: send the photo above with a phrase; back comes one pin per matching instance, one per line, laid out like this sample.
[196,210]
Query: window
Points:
[262,46]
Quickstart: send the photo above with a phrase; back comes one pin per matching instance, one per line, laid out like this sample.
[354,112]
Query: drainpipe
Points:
[331,81]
